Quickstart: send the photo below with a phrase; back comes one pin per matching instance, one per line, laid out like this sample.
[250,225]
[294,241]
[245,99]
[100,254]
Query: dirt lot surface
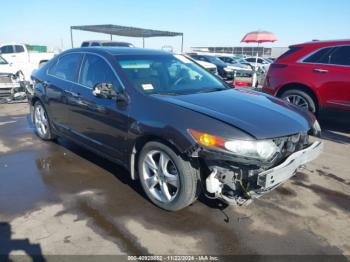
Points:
[57,198]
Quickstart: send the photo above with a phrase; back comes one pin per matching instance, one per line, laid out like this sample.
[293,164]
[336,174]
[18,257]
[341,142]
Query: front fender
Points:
[179,139]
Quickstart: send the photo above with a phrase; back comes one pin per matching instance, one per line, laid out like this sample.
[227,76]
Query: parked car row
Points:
[312,75]
[242,68]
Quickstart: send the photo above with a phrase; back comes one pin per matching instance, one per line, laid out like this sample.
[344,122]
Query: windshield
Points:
[231,60]
[215,60]
[3,61]
[167,75]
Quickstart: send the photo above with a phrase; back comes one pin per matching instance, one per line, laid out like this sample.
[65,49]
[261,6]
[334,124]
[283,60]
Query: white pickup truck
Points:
[20,58]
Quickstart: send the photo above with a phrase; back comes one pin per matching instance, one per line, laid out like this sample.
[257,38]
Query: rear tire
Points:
[168,180]
[301,99]
[42,122]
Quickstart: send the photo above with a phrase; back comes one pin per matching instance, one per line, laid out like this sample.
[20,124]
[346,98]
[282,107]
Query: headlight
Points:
[263,149]
[227,69]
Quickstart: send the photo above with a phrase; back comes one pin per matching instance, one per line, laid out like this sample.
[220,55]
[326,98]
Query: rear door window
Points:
[341,56]
[225,59]
[250,60]
[321,56]
[292,50]
[19,49]
[66,67]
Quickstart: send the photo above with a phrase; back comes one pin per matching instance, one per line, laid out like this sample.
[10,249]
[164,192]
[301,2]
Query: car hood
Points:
[7,69]
[262,116]
[240,67]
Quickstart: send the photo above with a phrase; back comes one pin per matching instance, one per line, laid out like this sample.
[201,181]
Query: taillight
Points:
[242,84]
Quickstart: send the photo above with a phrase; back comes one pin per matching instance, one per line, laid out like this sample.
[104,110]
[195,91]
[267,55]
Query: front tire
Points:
[301,99]
[168,180]
[42,122]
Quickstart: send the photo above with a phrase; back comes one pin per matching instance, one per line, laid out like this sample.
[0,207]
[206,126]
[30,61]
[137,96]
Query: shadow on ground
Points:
[8,245]
[332,125]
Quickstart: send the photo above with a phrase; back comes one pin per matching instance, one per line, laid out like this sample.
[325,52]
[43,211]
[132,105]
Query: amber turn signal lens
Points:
[206,139]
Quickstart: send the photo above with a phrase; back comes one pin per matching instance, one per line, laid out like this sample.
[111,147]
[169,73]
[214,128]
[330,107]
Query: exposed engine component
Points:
[228,185]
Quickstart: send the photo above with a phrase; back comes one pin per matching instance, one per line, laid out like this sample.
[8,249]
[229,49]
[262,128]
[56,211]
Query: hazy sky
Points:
[204,22]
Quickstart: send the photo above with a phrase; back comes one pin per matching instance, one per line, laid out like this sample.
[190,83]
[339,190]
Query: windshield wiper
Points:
[166,94]
[211,90]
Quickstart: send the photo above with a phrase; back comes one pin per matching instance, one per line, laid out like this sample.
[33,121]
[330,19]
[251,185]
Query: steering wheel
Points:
[177,82]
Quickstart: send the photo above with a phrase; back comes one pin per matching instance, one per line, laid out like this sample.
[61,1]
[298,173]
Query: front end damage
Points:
[238,181]
[13,87]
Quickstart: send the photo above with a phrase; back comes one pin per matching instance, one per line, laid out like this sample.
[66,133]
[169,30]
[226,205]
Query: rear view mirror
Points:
[104,90]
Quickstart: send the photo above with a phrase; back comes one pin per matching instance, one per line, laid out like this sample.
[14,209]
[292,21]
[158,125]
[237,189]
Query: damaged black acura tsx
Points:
[178,129]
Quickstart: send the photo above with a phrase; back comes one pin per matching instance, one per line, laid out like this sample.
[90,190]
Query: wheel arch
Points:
[140,143]
[34,100]
[300,87]
[43,61]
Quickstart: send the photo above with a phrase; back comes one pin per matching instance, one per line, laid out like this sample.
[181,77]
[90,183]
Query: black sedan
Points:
[224,70]
[178,129]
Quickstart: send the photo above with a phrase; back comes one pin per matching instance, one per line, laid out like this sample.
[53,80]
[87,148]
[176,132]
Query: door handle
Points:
[72,93]
[319,70]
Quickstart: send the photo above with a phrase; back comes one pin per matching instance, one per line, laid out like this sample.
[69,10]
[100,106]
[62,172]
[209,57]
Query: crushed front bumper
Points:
[239,185]
[7,85]
[11,86]
[277,175]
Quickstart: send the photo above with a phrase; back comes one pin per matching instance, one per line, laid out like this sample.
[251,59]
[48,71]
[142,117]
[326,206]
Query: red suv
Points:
[313,75]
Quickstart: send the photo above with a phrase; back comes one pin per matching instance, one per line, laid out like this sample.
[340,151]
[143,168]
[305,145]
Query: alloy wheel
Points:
[41,122]
[161,176]
[298,101]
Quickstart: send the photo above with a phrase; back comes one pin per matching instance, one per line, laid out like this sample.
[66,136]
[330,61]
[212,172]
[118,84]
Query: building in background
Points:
[244,50]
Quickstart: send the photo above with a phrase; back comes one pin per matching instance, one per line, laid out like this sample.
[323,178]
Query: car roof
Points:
[326,43]
[119,51]
[104,41]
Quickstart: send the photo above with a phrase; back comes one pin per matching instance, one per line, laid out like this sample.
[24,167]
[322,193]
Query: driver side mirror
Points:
[106,90]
